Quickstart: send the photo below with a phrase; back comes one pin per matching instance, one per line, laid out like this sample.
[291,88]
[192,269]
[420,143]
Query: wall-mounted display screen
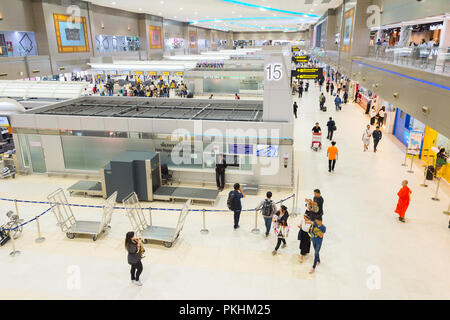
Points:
[266,150]
[240,148]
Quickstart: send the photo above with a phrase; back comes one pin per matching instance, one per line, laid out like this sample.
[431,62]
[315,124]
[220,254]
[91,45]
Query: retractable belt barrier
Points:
[118,208]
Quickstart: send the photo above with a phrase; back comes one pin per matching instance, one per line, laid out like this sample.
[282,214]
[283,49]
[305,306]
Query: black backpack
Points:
[267,208]
[232,201]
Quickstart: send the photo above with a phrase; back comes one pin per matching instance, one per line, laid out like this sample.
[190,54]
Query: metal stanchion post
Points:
[448,210]
[424,184]
[410,168]
[17,207]
[204,230]
[406,157]
[150,215]
[256,230]
[40,238]
[14,252]
[294,213]
[435,198]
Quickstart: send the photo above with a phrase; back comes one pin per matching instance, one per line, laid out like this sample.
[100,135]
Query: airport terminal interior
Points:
[225,150]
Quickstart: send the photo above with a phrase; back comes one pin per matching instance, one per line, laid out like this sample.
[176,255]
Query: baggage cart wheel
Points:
[70,235]
[168,244]
[94,238]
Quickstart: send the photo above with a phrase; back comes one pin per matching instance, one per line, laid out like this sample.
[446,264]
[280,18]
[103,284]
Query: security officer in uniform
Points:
[221,165]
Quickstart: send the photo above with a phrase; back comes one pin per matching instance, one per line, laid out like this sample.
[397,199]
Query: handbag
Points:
[334,128]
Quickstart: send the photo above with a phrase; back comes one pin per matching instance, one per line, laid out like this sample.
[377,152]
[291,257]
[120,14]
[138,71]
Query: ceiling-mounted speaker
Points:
[396,95]
[426,110]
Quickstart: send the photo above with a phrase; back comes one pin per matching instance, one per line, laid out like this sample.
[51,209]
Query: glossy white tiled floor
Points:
[363,234]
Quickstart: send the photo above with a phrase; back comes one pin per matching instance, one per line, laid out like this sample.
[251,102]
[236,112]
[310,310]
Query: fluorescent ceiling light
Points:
[268,8]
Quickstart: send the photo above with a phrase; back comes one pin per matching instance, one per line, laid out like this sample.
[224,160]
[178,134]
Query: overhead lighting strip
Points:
[251,5]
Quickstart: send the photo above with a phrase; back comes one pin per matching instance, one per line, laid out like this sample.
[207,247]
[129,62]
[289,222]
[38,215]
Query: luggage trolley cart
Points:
[316,143]
[70,226]
[150,232]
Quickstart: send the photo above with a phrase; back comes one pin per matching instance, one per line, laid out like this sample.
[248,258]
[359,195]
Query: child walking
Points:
[282,231]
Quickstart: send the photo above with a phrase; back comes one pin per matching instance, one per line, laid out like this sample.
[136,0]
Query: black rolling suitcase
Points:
[430,173]
[324,108]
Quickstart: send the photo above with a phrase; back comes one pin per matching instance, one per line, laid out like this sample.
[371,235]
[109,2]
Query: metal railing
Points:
[420,57]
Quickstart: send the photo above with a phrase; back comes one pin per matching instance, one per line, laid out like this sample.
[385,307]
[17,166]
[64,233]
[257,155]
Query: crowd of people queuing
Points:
[135,87]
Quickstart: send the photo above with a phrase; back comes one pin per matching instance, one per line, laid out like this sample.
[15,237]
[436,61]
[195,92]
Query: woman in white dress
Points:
[366,137]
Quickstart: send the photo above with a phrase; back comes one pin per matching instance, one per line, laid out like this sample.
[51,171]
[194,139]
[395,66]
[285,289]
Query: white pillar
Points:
[444,43]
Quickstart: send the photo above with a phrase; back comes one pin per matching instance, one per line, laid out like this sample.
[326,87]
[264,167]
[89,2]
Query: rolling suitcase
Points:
[324,109]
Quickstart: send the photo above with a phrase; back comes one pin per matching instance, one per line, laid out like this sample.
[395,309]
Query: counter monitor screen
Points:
[4,122]
[266,151]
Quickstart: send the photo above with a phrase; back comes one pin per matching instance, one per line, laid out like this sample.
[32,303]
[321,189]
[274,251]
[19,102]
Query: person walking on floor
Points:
[316,201]
[322,100]
[317,232]
[303,236]
[300,90]
[221,165]
[234,203]
[268,209]
[282,232]
[331,88]
[327,86]
[345,97]
[281,215]
[331,128]
[332,154]
[295,106]
[366,137]
[404,198]
[355,100]
[337,102]
[134,248]
[377,136]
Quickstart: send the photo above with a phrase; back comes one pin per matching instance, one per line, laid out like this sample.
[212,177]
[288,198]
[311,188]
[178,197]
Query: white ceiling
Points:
[269,19]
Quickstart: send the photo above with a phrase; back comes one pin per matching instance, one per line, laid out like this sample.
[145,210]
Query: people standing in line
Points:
[331,88]
[337,102]
[441,159]
[404,198]
[300,90]
[134,246]
[381,115]
[322,100]
[268,209]
[316,201]
[303,236]
[317,232]
[373,115]
[345,97]
[331,128]
[282,232]
[366,137]
[221,165]
[377,136]
[234,203]
[332,154]
[295,106]
[338,90]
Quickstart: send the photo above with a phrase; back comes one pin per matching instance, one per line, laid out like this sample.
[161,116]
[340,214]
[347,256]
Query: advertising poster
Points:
[192,39]
[71,33]
[415,142]
[348,30]
[155,37]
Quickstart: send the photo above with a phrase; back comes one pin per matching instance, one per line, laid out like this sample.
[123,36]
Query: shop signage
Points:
[165,73]
[139,73]
[415,142]
[301,59]
[152,73]
[308,73]
[295,49]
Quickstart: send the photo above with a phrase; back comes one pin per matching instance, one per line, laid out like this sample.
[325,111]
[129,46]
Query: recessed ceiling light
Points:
[181,8]
[175,17]
[162,2]
[195,12]
[113,2]
[140,9]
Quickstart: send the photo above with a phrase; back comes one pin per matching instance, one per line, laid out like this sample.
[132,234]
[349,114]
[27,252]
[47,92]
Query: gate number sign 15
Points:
[274,72]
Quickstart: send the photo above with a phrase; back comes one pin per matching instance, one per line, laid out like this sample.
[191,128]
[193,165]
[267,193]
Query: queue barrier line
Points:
[119,208]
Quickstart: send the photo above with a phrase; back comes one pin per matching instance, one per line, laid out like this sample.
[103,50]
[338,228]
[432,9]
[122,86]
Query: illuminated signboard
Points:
[301,59]
[308,73]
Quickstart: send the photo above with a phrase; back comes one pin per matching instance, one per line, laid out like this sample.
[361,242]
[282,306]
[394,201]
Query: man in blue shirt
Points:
[337,102]
[377,135]
[237,195]
[317,232]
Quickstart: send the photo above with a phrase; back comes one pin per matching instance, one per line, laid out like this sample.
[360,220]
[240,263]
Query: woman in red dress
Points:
[404,197]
